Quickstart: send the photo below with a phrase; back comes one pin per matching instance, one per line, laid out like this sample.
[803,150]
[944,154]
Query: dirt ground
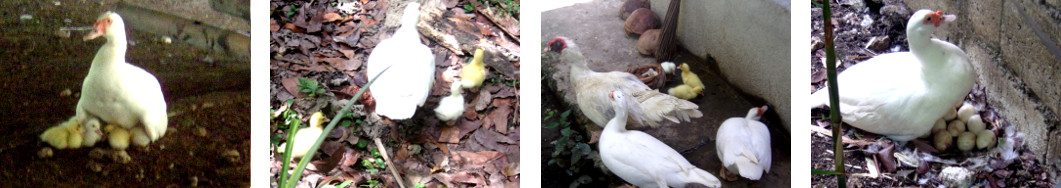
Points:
[480,149]
[599,31]
[43,79]
[888,19]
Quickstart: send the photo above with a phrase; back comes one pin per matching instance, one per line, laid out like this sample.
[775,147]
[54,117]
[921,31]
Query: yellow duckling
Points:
[65,135]
[117,136]
[473,74]
[452,107]
[691,79]
[305,137]
[92,132]
[683,92]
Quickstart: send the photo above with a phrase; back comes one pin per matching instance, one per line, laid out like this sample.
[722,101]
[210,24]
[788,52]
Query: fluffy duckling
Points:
[473,74]
[117,136]
[690,78]
[305,137]
[92,132]
[683,92]
[668,67]
[65,135]
[452,107]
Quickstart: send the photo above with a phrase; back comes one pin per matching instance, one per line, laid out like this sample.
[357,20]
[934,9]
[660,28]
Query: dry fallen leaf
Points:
[331,17]
[291,84]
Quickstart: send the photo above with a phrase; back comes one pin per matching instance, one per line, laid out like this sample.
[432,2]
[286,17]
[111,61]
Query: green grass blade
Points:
[335,120]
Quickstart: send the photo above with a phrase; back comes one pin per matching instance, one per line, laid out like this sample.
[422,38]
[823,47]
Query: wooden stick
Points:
[383,151]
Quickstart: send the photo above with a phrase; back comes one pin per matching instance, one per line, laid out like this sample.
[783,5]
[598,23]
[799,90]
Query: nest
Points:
[651,75]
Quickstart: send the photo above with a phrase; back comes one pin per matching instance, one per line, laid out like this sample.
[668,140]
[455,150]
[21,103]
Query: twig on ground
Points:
[386,158]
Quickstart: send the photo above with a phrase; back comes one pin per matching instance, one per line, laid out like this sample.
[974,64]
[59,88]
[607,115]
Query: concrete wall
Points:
[1018,73]
[749,38]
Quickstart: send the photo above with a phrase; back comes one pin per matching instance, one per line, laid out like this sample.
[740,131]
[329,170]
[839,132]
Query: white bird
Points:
[451,107]
[645,107]
[901,95]
[668,67]
[743,145]
[641,159]
[406,85]
[117,92]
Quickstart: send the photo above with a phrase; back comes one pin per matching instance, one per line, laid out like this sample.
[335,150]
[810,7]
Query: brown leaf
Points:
[450,134]
[291,84]
[293,28]
[331,17]
[477,158]
[483,101]
[500,118]
[470,178]
[273,26]
[332,161]
[468,126]
[401,153]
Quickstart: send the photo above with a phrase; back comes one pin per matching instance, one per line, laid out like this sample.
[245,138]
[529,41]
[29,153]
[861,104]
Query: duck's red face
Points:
[934,18]
[100,28]
[557,45]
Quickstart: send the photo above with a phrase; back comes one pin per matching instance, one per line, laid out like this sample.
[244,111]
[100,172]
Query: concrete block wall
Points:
[1014,66]
[749,38]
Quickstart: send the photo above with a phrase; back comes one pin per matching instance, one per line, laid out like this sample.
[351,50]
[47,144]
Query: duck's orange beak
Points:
[100,28]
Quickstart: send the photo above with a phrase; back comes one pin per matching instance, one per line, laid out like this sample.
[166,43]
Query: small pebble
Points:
[66,92]
[231,156]
[195,181]
[45,152]
[167,39]
[62,34]
[121,157]
[25,17]
[96,167]
[200,131]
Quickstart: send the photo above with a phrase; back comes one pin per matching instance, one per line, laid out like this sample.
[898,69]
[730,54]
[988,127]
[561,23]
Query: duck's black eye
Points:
[930,19]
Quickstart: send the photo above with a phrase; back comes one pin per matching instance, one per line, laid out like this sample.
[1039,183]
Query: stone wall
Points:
[1014,65]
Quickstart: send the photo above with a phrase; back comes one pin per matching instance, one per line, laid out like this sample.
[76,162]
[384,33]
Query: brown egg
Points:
[641,20]
[648,42]
[630,5]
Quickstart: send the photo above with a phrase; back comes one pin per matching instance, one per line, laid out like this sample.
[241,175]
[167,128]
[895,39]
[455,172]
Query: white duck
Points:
[901,95]
[120,93]
[646,107]
[744,145]
[406,85]
[641,159]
